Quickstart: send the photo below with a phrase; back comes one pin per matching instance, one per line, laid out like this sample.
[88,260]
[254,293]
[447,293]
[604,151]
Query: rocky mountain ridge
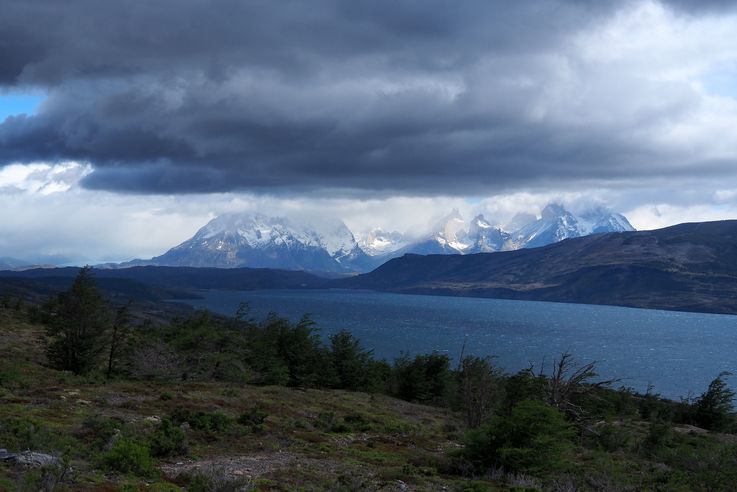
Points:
[261,241]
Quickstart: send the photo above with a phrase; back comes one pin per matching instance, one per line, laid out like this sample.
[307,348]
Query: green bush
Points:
[289,354]
[534,438]
[12,378]
[22,433]
[424,378]
[354,368]
[128,456]
[97,431]
[525,385]
[208,422]
[168,440]
[612,438]
[254,419]
[660,435]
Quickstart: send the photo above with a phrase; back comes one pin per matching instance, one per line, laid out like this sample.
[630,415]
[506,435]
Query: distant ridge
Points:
[689,267]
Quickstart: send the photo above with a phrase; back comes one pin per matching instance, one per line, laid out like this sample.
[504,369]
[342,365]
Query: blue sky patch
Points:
[12,104]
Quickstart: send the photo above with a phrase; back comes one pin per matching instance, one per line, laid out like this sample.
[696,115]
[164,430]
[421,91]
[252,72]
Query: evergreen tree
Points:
[349,360]
[77,322]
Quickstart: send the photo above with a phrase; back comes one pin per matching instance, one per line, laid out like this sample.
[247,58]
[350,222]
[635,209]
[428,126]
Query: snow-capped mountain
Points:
[259,241]
[556,224]
[485,237]
[376,241]
[452,235]
[448,236]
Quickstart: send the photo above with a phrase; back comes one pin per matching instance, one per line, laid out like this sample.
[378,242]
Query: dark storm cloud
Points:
[701,6]
[412,96]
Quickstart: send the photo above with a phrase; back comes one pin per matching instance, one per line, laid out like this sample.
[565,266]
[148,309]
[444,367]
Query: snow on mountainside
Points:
[377,241]
[447,236]
[485,237]
[259,241]
[452,236]
[556,224]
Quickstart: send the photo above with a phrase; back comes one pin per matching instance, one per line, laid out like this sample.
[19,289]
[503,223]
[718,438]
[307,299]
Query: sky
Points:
[125,126]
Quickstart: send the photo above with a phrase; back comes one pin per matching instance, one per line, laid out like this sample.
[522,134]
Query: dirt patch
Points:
[246,466]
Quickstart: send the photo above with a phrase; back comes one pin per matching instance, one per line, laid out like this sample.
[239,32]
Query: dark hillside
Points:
[691,267]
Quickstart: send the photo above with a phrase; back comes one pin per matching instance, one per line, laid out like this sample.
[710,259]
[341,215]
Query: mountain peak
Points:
[258,240]
[553,210]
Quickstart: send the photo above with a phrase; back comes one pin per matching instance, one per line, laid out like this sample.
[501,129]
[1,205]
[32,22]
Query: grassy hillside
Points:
[311,439]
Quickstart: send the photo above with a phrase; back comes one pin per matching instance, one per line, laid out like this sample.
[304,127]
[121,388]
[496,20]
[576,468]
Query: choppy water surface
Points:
[676,352]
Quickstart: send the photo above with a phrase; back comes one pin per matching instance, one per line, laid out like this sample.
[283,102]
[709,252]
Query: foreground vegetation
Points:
[209,403]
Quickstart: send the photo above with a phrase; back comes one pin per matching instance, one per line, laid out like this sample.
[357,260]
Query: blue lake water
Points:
[678,353]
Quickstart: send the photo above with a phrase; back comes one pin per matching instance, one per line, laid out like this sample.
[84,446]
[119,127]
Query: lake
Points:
[678,353]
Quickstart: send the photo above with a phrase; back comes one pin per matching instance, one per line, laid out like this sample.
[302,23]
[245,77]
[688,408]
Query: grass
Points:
[305,439]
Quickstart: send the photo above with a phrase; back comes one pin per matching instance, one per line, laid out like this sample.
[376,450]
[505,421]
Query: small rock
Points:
[152,419]
[34,459]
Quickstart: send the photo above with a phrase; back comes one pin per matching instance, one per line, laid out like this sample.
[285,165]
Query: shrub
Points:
[211,423]
[425,379]
[21,433]
[534,438]
[254,419]
[128,456]
[660,435]
[168,440]
[289,354]
[612,438]
[98,432]
[11,377]
[524,385]
[214,478]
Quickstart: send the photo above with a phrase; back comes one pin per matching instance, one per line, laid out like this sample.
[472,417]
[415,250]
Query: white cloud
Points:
[88,226]
[42,178]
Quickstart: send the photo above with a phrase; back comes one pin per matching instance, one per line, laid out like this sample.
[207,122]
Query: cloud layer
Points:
[372,98]
[159,115]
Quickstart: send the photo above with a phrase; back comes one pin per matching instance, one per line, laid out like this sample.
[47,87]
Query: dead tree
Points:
[569,381]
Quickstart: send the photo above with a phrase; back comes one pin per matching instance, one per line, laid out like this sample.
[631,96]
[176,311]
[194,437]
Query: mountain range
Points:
[8,263]
[329,247]
[690,267]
